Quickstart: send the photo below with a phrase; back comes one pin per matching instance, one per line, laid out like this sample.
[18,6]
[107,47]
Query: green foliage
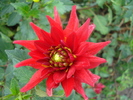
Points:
[14,87]
[101,22]
[113,20]
[13,19]
[5,44]
[17,54]
[24,10]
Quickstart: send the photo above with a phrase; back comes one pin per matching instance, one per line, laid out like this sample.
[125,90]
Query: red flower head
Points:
[63,56]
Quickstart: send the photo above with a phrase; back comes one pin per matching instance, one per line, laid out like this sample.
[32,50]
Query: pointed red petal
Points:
[83,32]
[94,48]
[42,46]
[90,29]
[49,92]
[35,79]
[95,61]
[44,61]
[82,49]
[36,54]
[81,63]
[94,77]
[84,77]
[59,76]
[53,23]
[29,44]
[56,35]
[72,42]
[29,62]
[37,30]
[71,71]
[68,85]
[50,82]
[47,37]
[57,17]
[73,22]
[79,89]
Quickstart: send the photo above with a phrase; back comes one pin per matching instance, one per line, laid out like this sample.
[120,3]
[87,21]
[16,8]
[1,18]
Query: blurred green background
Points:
[113,20]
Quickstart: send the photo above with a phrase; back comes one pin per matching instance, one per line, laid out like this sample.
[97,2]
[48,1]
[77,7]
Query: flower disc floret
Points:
[60,56]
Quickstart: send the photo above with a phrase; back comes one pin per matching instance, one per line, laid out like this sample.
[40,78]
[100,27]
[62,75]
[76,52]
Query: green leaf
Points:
[6,9]
[7,97]
[41,93]
[50,6]
[101,22]
[62,6]
[25,32]
[110,15]
[14,87]
[23,74]
[6,31]
[26,96]
[100,2]
[1,73]
[130,5]
[8,77]
[128,13]
[117,5]
[13,19]
[17,54]
[4,44]
[22,8]
[34,12]
[67,4]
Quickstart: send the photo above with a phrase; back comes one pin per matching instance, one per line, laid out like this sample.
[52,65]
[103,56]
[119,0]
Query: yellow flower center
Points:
[56,57]
[60,56]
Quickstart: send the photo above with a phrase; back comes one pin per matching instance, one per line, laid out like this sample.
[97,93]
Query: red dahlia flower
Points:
[63,56]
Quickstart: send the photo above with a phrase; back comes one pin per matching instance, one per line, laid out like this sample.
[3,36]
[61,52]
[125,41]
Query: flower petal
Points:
[68,85]
[47,37]
[71,71]
[84,76]
[37,30]
[53,23]
[29,62]
[44,61]
[59,76]
[57,17]
[82,49]
[90,29]
[35,79]
[50,82]
[95,47]
[49,92]
[79,89]
[81,63]
[41,46]
[83,32]
[36,54]
[95,61]
[56,35]
[72,23]
[29,44]
[98,88]
[94,77]
[72,42]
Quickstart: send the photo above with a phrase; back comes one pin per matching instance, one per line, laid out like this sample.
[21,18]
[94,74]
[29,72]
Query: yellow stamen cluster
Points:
[60,56]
